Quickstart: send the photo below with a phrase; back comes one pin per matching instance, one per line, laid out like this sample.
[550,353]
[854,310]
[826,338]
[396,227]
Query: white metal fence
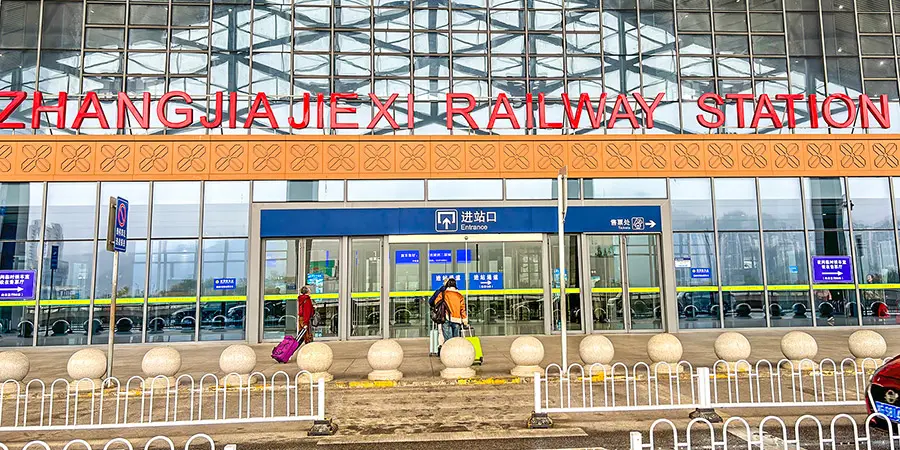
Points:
[843,431]
[157,442]
[681,386]
[211,399]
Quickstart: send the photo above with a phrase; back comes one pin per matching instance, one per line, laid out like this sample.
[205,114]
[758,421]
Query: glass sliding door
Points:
[606,282]
[573,291]
[321,272]
[643,272]
[365,287]
[280,271]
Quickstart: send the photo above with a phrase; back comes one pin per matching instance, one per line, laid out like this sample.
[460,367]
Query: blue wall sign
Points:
[437,279]
[316,280]
[405,221]
[486,280]
[440,256]
[54,257]
[793,269]
[222,284]
[556,277]
[463,255]
[120,241]
[406,257]
[832,269]
[17,285]
[701,272]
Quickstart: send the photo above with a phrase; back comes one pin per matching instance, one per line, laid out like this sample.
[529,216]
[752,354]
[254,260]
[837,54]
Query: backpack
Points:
[316,320]
[440,311]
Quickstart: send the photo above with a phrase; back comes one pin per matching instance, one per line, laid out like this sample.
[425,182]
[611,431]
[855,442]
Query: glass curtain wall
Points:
[696,271]
[573,290]
[21,221]
[875,246]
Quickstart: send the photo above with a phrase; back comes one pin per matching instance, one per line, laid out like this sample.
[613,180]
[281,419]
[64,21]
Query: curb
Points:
[490,381]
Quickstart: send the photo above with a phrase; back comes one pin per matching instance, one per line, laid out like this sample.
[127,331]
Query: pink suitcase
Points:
[287,347]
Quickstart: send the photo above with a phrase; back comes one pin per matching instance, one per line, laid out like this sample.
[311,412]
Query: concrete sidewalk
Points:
[350,356]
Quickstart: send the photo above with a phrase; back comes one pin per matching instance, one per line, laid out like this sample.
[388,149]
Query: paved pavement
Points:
[421,413]
[350,356]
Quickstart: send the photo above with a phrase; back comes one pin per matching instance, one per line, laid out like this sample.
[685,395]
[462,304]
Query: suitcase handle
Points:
[464,328]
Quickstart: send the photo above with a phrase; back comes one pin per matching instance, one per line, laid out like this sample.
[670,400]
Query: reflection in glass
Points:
[20,210]
[65,292]
[643,282]
[880,306]
[540,189]
[785,258]
[736,204]
[826,203]
[625,188]
[280,288]
[226,211]
[172,310]
[695,280]
[745,309]
[386,190]
[129,296]
[465,189]
[323,278]
[365,287]
[876,257]
[138,196]
[298,191]
[70,210]
[780,203]
[790,309]
[17,322]
[606,282]
[176,209]
[691,203]
[740,259]
[573,293]
[223,311]
[870,203]
[835,307]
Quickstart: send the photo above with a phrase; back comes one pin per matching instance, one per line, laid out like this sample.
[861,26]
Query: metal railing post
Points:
[538,419]
[704,397]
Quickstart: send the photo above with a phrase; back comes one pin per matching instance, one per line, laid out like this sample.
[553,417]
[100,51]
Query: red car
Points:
[883,395]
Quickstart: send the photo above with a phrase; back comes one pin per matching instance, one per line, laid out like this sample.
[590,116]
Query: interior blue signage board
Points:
[474,220]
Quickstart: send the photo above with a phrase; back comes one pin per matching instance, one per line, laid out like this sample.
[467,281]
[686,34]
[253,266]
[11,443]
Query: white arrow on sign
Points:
[446,222]
[15,289]
[651,223]
[832,273]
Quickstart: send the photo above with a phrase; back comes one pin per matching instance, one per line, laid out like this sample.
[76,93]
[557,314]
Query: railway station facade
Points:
[731,164]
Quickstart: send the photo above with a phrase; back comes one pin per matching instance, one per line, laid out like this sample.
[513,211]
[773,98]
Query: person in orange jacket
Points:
[456,304]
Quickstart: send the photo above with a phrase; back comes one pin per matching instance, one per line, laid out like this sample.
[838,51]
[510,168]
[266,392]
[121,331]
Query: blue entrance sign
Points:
[404,221]
[832,269]
[440,256]
[486,280]
[16,285]
[406,257]
[224,284]
[438,279]
[701,272]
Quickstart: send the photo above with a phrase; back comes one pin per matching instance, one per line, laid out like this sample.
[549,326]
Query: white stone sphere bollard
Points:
[160,365]
[315,358]
[385,357]
[665,352]
[799,349]
[237,362]
[527,352]
[457,355]
[867,346]
[14,366]
[732,348]
[86,369]
[597,349]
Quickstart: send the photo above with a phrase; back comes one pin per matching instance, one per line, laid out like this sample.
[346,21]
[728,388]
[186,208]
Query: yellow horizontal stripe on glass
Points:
[697,289]
[788,287]
[473,292]
[880,286]
[606,290]
[120,301]
[411,294]
[65,302]
[281,297]
[834,286]
[741,288]
[332,296]
[568,291]
[365,295]
[18,303]
[158,300]
[224,298]
[643,290]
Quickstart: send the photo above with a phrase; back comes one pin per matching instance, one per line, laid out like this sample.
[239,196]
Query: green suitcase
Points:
[476,342]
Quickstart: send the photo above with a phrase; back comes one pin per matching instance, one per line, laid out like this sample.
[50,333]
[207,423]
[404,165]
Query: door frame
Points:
[549,266]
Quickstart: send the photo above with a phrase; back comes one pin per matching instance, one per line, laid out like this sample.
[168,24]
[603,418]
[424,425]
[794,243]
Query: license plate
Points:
[892,412]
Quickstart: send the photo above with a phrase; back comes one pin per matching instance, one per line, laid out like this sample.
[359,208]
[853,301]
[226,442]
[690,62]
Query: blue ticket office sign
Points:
[17,285]
[224,284]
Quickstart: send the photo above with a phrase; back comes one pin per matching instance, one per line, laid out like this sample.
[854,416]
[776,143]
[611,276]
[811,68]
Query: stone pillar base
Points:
[385,375]
[457,373]
[730,366]
[159,383]
[526,371]
[666,369]
[868,363]
[236,380]
[539,421]
[800,365]
[86,385]
[314,378]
